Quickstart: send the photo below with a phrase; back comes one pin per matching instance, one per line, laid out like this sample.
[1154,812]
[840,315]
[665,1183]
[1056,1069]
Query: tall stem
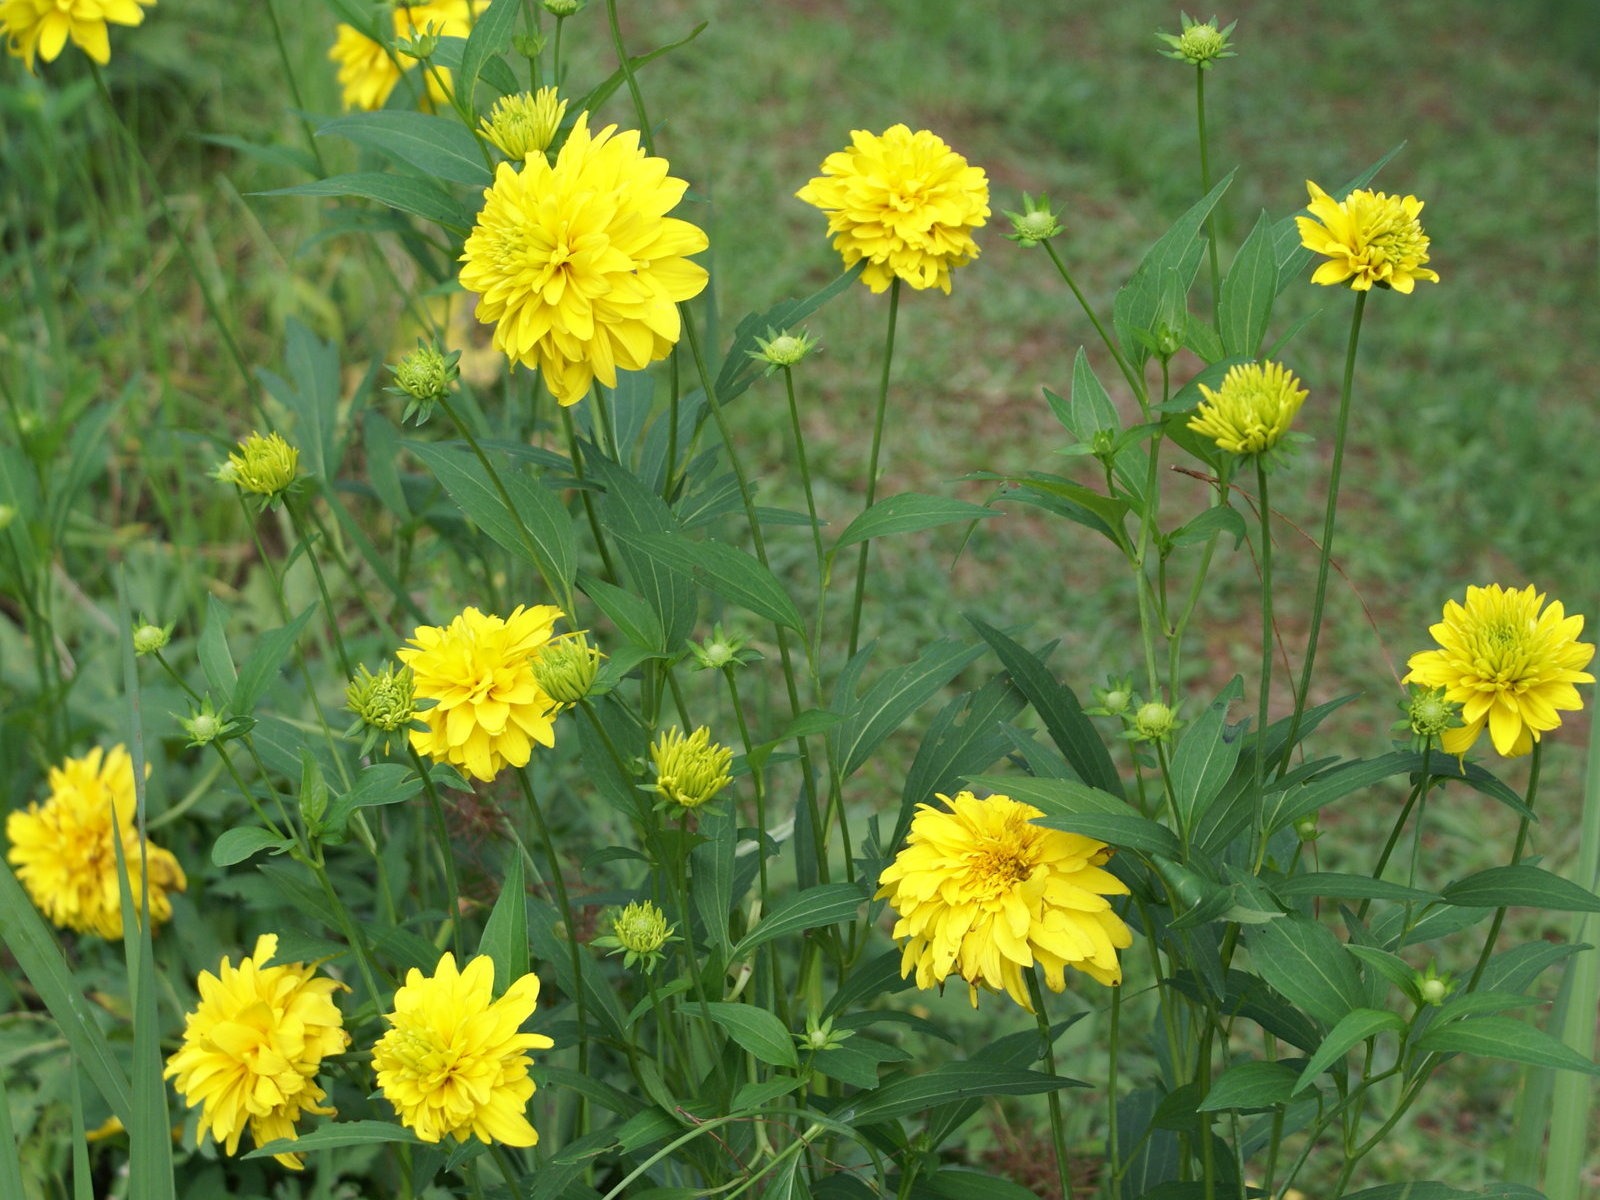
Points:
[1205,186]
[872,463]
[1516,857]
[1264,504]
[1058,1129]
[1135,383]
[1326,557]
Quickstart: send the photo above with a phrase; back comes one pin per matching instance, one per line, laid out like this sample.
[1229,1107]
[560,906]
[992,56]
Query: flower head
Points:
[424,376]
[1036,222]
[690,770]
[368,70]
[1152,721]
[1368,238]
[489,709]
[562,8]
[525,123]
[566,668]
[640,931]
[149,638]
[65,850]
[905,202]
[262,466]
[782,349]
[1510,663]
[1252,410]
[40,28]
[984,893]
[384,704]
[455,1060]
[252,1048]
[578,264]
[1429,714]
[1200,43]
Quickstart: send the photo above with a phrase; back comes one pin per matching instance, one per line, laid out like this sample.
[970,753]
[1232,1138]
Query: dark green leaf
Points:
[1502,1037]
[235,845]
[1079,808]
[1348,887]
[1521,887]
[713,865]
[490,38]
[1305,962]
[262,666]
[1351,1030]
[739,370]
[950,1081]
[406,193]
[756,1030]
[1218,519]
[1245,305]
[1250,1087]
[814,908]
[1205,756]
[906,513]
[505,934]
[729,572]
[337,1135]
[869,719]
[440,147]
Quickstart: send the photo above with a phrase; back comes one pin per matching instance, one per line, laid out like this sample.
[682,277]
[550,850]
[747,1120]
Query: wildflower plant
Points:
[667,906]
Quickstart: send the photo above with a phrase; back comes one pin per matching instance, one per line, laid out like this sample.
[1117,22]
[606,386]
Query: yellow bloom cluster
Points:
[1252,410]
[1369,238]
[489,709]
[984,893]
[455,1061]
[252,1048]
[40,28]
[368,72]
[578,264]
[906,202]
[1510,663]
[65,850]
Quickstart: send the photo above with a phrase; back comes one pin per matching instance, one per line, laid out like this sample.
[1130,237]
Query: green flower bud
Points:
[1035,223]
[562,8]
[1306,828]
[1201,43]
[566,667]
[640,933]
[150,639]
[8,514]
[204,725]
[265,467]
[525,123]
[690,770]
[384,704]
[425,375]
[780,349]
[1155,722]
[720,650]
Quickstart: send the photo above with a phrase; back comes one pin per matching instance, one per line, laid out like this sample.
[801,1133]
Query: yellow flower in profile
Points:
[525,123]
[368,72]
[578,264]
[40,28]
[984,893]
[65,850]
[690,770]
[455,1060]
[262,466]
[252,1048]
[1252,410]
[1508,664]
[489,709]
[903,201]
[1368,238]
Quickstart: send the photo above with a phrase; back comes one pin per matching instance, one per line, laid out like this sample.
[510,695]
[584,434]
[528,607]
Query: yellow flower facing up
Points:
[65,850]
[40,28]
[265,466]
[455,1060]
[368,72]
[525,123]
[578,265]
[1368,238]
[1509,662]
[489,709]
[905,202]
[252,1048]
[984,893]
[1252,410]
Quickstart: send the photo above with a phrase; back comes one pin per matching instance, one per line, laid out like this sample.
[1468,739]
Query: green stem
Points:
[558,882]
[1399,825]
[626,68]
[575,453]
[1326,556]
[1264,503]
[1058,1129]
[1114,1057]
[442,831]
[1516,857]
[1134,381]
[1205,187]
[805,482]
[872,464]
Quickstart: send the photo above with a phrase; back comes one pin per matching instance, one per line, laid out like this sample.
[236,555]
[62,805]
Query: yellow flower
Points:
[368,72]
[1509,665]
[525,123]
[454,1061]
[690,770]
[65,849]
[578,264]
[986,894]
[1252,410]
[262,466]
[252,1047]
[489,708]
[1368,237]
[903,201]
[40,28]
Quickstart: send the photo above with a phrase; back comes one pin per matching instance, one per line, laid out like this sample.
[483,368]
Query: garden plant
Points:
[502,774]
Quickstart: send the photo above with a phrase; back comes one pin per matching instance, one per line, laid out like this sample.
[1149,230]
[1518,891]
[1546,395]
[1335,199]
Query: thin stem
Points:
[559,884]
[1134,381]
[872,463]
[626,68]
[1516,857]
[575,454]
[1205,186]
[1326,557]
[1399,825]
[1266,638]
[1058,1130]
[442,831]
[1113,1052]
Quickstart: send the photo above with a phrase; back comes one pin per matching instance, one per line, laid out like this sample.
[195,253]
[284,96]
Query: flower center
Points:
[999,868]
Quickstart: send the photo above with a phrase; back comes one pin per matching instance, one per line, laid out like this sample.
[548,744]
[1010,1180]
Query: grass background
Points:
[1474,423]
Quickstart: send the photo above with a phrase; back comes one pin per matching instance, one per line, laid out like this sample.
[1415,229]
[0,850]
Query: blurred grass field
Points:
[1474,425]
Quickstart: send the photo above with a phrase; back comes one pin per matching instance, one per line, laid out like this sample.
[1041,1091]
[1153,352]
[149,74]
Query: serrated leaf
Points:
[1350,1031]
[907,513]
[868,720]
[235,845]
[1218,519]
[756,1030]
[729,572]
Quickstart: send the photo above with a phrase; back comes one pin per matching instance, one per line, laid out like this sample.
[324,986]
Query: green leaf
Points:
[440,147]
[1289,805]
[816,907]
[10,1148]
[950,751]
[906,513]
[1521,887]
[1348,887]
[1177,251]
[756,1030]
[950,1081]
[505,933]
[235,845]
[1206,756]
[1218,519]
[490,38]
[1072,732]
[1087,507]
[216,663]
[1305,962]
[729,572]
[739,370]
[336,1135]
[1245,306]
[539,530]
[1502,1037]
[407,193]
[954,1183]
[262,666]
[629,613]
[713,864]
[377,785]
[857,1061]
[1423,1189]
[1079,808]
[1250,1087]
[1471,1004]
[1351,1030]
[630,507]
[869,719]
